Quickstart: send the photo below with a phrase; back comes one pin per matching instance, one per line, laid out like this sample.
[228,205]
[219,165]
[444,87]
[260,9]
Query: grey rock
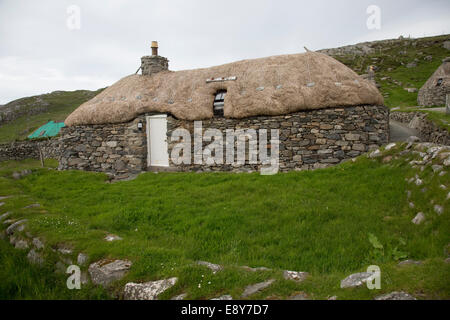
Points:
[84,278]
[18,226]
[104,272]
[21,244]
[34,205]
[179,297]
[295,275]
[82,259]
[4,197]
[419,218]
[396,296]
[437,168]
[299,296]
[16,175]
[413,139]
[5,216]
[375,154]
[409,263]
[65,251]
[356,280]
[112,237]
[390,146]
[254,288]
[148,290]
[38,243]
[35,257]
[224,297]
[418,182]
[213,267]
[2,204]
[247,268]
[446,45]
[411,205]
[333,298]
[9,221]
[438,209]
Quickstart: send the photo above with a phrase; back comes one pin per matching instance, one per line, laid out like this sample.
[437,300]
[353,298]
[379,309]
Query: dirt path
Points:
[400,131]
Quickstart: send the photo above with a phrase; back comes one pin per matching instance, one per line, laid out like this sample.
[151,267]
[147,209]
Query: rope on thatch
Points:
[140,67]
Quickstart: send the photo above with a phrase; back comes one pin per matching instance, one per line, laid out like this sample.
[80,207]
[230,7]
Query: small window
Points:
[219,102]
[439,82]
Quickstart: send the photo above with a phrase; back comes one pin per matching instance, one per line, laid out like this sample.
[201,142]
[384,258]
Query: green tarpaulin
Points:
[50,129]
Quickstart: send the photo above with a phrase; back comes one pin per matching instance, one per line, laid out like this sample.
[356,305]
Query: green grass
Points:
[305,221]
[60,105]
[20,280]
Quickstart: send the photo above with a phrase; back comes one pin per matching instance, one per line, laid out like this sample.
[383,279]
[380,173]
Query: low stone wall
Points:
[114,148]
[428,130]
[308,140]
[435,96]
[28,149]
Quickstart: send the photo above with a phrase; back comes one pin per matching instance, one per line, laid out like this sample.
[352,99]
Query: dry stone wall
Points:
[119,149]
[433,95]
[308,140]
[29,149]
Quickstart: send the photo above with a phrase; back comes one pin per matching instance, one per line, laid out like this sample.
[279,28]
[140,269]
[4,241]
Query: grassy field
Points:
[327,222]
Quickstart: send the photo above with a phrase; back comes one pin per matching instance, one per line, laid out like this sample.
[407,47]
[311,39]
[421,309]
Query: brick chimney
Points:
[154,63]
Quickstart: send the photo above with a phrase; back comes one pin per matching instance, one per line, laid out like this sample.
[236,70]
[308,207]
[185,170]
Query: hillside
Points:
[20,117]
[400,64]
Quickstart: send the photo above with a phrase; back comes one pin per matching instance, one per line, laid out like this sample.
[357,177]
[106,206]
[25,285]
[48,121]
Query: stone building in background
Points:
[434,91]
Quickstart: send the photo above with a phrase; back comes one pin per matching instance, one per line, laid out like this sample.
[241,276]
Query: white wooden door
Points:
[158,155]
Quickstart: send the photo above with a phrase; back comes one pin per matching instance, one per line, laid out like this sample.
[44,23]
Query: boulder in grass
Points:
[18,226]
[254,288]
[295,275]
[356,280]
[148,290]
[213,267]
[419,218]
[104,272]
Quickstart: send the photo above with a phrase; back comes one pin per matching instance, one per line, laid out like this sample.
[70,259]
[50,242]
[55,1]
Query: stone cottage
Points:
[321,111]
[434,91]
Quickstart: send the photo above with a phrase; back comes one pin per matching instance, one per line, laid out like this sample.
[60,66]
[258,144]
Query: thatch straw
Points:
[268,86]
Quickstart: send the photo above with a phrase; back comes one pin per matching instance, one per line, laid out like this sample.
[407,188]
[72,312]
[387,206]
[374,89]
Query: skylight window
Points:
[219,102]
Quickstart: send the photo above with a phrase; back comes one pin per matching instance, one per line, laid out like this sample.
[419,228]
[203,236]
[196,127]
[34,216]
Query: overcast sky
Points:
[43,50]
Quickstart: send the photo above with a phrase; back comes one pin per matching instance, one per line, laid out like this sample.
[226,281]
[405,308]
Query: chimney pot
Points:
[154,48]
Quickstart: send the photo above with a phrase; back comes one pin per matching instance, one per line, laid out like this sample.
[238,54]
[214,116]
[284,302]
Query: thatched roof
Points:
[443,72]
[268,86]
